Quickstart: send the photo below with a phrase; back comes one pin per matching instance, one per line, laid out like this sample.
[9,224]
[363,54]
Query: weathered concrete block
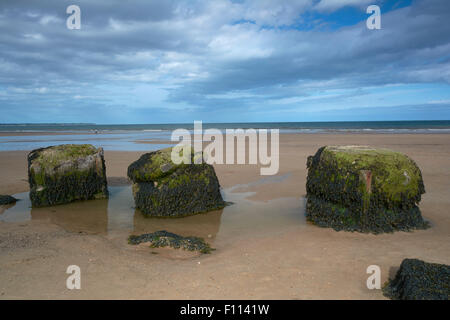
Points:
[161,188]
[364,189]
[419,280]
[65,173]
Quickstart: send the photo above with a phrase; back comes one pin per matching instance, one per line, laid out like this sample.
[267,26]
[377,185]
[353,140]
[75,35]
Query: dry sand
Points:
[298,261]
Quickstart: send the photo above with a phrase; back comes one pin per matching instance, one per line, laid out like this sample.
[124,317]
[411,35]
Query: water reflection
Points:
[20,211]
[114,214]
[80,216]
[5,207]
[201,225]
[243,218]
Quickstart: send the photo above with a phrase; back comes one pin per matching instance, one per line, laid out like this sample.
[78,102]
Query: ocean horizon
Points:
[148,137]
[421,126]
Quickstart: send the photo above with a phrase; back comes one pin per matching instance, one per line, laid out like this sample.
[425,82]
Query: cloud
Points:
[46,19]
[211,58]
[332,5]
[275,12]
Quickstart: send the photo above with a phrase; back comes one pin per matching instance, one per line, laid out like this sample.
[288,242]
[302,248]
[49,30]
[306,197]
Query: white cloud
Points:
[332,5]
[275,12]
[241,42]
[33,36]
[46,19]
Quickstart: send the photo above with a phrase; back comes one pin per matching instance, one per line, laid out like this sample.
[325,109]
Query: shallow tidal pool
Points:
[243,217]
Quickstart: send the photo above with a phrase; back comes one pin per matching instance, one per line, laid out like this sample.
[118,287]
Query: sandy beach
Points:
[264,247]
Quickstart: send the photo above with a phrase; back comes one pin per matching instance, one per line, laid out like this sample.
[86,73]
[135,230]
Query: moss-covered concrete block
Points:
[162,188]
[364,189]
[65,173]
[419,280]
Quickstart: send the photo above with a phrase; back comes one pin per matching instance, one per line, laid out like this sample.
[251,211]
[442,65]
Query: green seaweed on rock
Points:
[419,280]
[65,173]
[364,189]
[167,239]
[164,189]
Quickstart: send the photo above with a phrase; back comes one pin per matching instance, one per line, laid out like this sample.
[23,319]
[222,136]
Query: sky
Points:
[176,61]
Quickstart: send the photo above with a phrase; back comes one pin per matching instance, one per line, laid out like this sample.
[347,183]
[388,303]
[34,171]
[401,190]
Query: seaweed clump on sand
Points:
[356,188]
[167,239]
[164,189]
[6,199]
[65,173]
[419,280]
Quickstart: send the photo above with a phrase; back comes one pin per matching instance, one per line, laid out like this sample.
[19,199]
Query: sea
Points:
[136,137]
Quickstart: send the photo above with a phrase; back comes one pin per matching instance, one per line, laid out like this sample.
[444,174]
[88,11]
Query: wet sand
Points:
[265,248]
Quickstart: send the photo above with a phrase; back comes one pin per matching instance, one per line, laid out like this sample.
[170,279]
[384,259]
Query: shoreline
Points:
[283,131]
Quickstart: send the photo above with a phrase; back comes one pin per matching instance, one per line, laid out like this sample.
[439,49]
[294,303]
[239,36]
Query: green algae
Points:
[395,174]
[65,173]
[157,165]
[46,160]
[164,189]
[379,188]
[53,156]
